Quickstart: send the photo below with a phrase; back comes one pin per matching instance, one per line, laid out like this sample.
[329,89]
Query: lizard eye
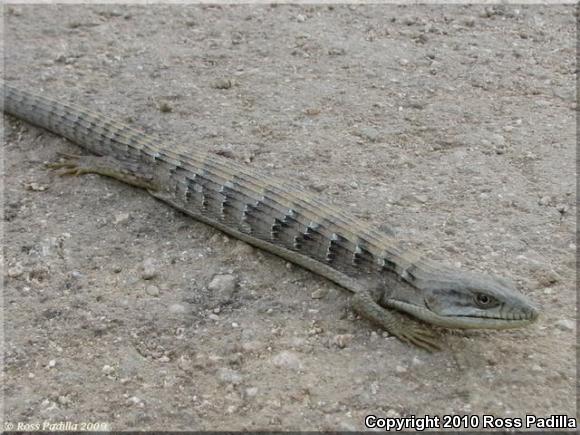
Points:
[485,301]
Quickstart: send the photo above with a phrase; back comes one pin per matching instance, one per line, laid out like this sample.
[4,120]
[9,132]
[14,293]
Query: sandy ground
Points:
[453,126]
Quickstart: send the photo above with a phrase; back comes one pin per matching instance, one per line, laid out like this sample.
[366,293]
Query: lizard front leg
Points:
[364,304]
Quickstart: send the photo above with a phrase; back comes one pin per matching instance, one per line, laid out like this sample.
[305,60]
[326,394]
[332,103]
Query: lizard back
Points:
[277,216]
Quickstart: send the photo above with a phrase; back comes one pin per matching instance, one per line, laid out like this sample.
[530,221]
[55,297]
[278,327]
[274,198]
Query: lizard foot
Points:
[403,329]
[72,164]
[418,336]
[127,171]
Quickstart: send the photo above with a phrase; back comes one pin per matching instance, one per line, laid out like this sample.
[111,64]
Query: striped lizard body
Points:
[286,220]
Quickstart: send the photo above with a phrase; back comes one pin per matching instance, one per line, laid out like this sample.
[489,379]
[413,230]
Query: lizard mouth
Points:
[467,321]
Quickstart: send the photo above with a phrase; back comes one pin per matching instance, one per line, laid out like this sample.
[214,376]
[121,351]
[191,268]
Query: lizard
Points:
[398,289]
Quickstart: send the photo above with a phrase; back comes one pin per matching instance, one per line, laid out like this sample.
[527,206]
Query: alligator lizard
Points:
[286,220]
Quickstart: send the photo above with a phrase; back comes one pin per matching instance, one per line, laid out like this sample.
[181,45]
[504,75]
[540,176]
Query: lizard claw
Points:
[419,337]
[70,165]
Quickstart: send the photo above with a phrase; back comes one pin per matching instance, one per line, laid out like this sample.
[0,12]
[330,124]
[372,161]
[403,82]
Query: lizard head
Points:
[466,300]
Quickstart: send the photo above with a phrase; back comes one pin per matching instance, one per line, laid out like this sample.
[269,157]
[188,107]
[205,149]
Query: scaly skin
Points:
[286,220]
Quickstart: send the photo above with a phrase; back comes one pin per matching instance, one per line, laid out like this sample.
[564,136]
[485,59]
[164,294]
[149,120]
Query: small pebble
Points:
[177,309]
[15,271]
[313,111]
[165,107]
[251,391]
[222,84]
[152,290]
[121,218]
[391,413]
[342,340]
[400,369]
[51,363]
[412,199]
[229,376]
[63,400]
[565,325]
[107,369]
[287,360]
[149,270]
[545,275]
[544,200]
[318,186]
[421,38]
[337,52]
[369,133]
[319,293]
[223,286]
[185,364]
[133,400]
[469,21]
[497,139]
[421,199]
[35,187]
